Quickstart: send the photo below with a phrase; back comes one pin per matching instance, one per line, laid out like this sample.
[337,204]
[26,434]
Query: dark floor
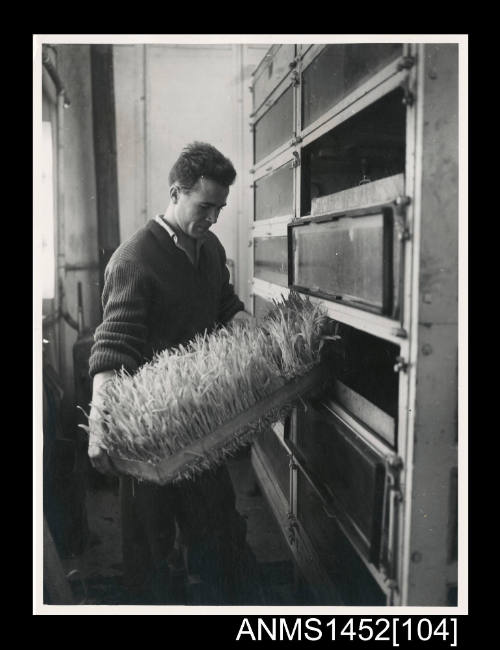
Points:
[96,574]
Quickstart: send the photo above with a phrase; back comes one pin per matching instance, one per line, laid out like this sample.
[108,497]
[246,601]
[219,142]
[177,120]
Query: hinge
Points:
[408,95]
[401,365]
[394,463]
[406,62]
[295,140]
[409,98]
[401,203]
[393,498]
[391,583]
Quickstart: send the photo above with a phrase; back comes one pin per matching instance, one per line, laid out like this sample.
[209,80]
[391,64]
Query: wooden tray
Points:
[383,190]
[168,469]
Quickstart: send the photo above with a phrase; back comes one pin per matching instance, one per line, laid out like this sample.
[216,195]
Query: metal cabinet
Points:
[342,155]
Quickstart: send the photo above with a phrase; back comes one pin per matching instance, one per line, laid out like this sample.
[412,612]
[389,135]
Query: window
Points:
[351,257]
[270,259]
[345,568]
[275,127]
[274,194]
[273,69]
[338,70]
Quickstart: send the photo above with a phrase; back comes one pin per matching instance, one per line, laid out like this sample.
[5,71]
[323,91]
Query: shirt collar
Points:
[199,242]
[167,227]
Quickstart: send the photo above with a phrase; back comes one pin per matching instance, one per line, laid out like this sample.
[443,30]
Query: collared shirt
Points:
[175,238]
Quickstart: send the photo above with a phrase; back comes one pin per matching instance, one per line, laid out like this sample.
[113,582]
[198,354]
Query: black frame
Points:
[390,302]
[372,547]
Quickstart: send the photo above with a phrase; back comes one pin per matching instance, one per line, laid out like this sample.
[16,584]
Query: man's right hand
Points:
[98,456]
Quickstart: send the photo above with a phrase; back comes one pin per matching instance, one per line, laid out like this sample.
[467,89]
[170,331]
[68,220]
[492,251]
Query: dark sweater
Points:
[154,298]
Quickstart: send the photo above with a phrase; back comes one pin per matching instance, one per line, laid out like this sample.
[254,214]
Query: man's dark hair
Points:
[201,159]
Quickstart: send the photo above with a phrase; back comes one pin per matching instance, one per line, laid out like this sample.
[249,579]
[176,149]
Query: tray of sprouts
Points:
[193,406]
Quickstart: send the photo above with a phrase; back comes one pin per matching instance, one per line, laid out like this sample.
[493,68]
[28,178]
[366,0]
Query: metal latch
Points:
[296,159]
[401,203]
[406,62]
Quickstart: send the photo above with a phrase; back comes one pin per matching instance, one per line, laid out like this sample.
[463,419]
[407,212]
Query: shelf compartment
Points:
[274,67]
[339,561]
[273,194]
[275,127]
[339,69]
[365,412]
[352,257]
[366,147]
[271,259]
[347,474]
[364,380]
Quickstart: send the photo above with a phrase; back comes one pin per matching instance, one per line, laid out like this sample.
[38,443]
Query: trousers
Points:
[199,514]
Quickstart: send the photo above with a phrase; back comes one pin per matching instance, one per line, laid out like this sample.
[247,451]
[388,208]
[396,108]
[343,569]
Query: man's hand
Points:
[99,459]
[97,454]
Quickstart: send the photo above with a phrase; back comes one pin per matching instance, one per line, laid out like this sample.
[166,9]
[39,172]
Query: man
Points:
[164,285]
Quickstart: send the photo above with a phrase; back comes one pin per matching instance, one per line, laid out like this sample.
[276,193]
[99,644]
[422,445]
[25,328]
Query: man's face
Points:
[199,209]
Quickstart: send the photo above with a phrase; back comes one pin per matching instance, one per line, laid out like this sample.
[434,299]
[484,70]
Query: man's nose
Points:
[213,215]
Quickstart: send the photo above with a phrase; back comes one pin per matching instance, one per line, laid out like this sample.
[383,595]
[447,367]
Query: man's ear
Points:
[174,193]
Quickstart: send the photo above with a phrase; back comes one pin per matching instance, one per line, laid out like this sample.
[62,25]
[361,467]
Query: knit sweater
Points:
[154,298]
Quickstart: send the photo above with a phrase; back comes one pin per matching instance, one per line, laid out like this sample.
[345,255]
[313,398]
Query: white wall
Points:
[168,96]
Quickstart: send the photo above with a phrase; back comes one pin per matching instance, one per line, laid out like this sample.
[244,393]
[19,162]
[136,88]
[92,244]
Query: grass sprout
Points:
[185,393]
